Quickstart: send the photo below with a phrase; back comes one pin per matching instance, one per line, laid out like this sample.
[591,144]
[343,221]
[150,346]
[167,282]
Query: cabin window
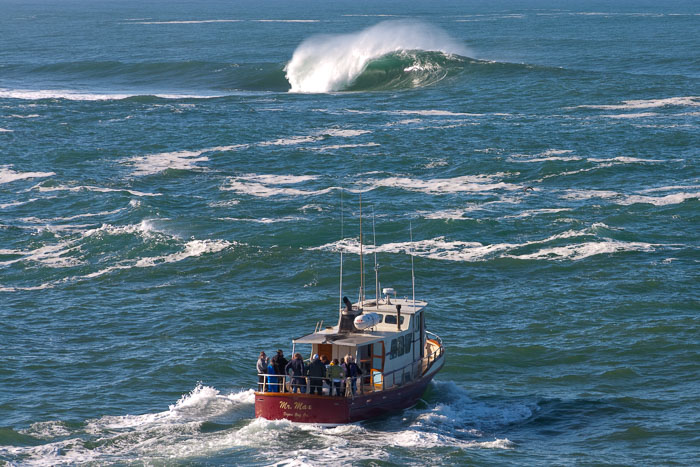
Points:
[408,338]
[391,319]
[378,356]
[394,352]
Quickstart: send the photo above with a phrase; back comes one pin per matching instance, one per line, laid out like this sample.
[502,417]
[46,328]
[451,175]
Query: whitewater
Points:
[178,181]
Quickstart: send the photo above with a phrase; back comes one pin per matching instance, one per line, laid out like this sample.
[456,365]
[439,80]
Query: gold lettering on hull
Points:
[297,406]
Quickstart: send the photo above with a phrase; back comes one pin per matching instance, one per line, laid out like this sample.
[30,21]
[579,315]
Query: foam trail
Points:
[331,62]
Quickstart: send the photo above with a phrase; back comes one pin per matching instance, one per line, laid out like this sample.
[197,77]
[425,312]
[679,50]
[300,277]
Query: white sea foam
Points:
[290,141]
[70,218]
[91,188]
[24,116]
[8,175]
[262,220]
[441,249]
[632,115]
[57,255]
[535,212]
[690,101]
[332,147]
[200,21]
[17,203]
[675,198]
[5,130]
[180,160]
[286,21]
[670,188]
[624,199]
[330,62]
[155,163]
[73,95]
[467,183]
[265,186]
[434,113]
[344,133]
[589,194]
[584,250]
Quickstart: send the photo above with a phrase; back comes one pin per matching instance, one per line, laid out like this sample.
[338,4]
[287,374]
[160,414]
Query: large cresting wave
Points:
[388,55]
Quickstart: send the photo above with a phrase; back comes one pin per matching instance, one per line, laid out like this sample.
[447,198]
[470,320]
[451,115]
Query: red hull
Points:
[306,408]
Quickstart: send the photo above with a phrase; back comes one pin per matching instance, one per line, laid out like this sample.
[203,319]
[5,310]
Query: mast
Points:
[340,296]
[376,268]
[413,275]
[362,264]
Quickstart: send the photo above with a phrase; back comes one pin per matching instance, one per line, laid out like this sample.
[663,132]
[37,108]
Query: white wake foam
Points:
[176,436]
[331,62]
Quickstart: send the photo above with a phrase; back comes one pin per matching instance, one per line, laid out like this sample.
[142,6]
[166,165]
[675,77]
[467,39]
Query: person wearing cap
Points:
[336,374]
[262,369]
[317,370]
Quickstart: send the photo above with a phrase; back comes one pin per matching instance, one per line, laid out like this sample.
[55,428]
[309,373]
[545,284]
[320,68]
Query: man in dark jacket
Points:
[279,362]
[298,370]
[317,370]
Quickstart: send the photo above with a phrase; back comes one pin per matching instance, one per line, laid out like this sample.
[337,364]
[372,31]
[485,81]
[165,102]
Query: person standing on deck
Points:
[336,374]
[279,362]
[352,371]
[298,373]
[262,369]
[272,381]
[317,370]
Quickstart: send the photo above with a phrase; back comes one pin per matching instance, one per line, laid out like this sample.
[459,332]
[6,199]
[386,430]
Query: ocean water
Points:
[177,180]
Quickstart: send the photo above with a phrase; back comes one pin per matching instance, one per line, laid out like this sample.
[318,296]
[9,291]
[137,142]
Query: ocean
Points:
[178,179]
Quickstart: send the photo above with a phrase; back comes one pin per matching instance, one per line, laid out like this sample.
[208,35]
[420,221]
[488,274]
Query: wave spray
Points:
[326,63]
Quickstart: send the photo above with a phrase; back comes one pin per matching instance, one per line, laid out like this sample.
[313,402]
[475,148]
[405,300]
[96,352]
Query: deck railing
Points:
[374,382]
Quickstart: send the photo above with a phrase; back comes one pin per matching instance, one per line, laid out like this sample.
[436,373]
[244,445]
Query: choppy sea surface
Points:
[173,177]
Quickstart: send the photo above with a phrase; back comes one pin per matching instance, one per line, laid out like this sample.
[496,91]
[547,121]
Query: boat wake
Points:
[206,423]
[389,55]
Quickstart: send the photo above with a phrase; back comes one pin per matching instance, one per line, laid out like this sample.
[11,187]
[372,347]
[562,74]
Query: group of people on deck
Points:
[319,370]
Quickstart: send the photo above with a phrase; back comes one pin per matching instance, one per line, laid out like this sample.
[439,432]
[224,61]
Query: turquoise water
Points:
[172,181]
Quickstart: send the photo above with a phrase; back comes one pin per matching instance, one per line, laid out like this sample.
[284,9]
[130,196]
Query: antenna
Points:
[376,268]
[413,275]
[362,264]
[340,297]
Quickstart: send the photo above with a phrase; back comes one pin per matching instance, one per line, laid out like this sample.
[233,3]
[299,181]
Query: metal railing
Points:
[367,383]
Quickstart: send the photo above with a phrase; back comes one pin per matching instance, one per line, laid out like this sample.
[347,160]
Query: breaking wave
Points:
[389,55]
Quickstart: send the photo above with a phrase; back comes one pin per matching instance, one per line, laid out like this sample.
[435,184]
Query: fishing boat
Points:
[386,336]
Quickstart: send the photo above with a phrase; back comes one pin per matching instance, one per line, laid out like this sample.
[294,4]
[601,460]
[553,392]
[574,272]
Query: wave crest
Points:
[389,55]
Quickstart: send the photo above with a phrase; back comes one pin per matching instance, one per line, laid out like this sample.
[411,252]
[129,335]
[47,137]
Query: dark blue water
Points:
[172,181]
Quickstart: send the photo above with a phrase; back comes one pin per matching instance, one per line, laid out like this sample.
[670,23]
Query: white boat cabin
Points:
[394,339]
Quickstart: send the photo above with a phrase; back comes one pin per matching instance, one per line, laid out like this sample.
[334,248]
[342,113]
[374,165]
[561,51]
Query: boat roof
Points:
[350,339]
[330,335]
[408,306]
